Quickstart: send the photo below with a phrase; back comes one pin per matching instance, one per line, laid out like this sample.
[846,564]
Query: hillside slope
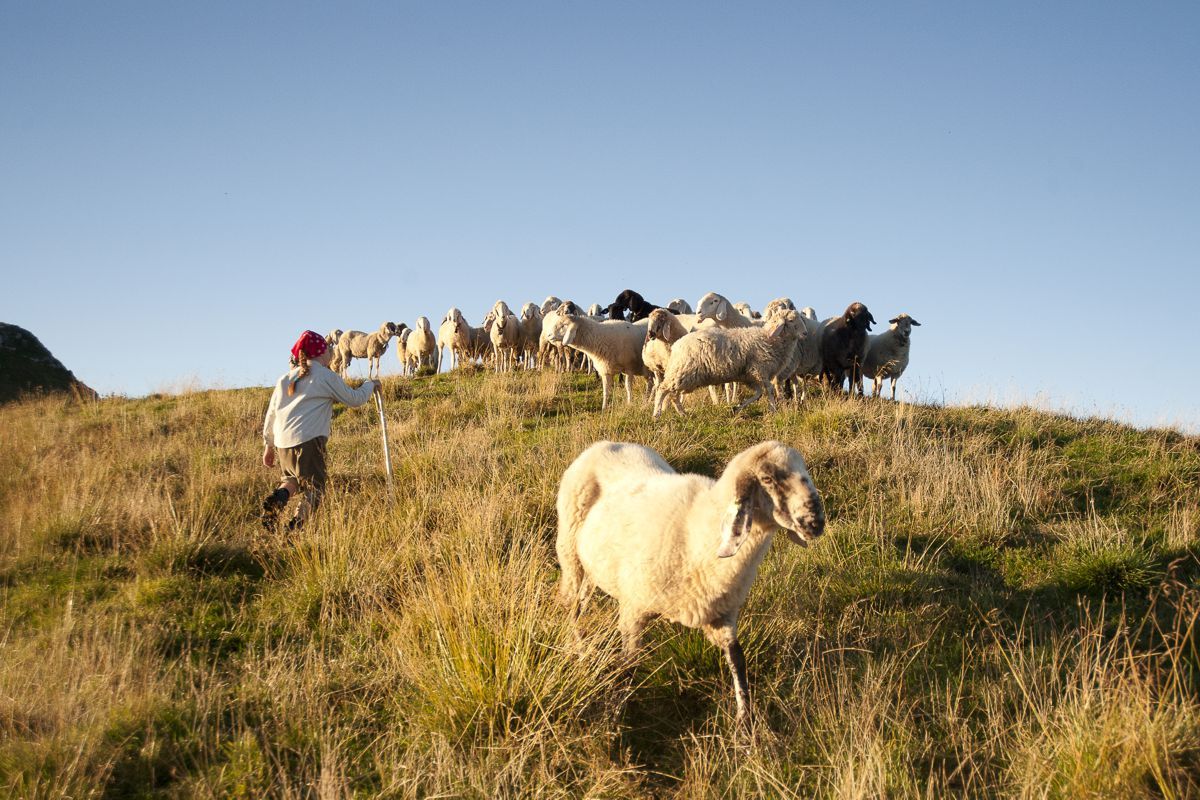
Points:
[1004,605]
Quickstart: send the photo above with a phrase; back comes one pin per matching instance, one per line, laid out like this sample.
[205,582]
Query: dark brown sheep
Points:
[843,346]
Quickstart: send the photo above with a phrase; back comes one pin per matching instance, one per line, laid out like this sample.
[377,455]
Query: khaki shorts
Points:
[306,463]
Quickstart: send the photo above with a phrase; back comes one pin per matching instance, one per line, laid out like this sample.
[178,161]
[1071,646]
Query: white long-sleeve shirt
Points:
[307,414]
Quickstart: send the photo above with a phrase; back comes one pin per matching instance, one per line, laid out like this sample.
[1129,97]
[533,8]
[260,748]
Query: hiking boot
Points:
[274,503]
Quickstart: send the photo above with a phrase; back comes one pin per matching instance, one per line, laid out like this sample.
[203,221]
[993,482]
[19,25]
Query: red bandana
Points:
[313,344]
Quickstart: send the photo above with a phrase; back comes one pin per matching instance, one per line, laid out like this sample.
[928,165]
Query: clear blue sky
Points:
[184,187]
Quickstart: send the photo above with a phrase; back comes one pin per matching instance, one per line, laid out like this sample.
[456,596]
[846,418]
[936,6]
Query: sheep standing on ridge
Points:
[887,353]
[615,348]
[505,336]
[683,547]
[371,346]
[531,333]
[843,344]
[714,356]
[421,344]
[445,336]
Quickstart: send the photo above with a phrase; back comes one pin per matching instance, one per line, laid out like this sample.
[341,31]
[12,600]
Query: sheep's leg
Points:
[758,392]
[628,388]
[712,394]
[605,382]
[725,637]
[893,389]
[631,625]
[678,403]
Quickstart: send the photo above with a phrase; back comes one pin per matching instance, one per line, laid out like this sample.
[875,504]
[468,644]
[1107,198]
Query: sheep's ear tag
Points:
[734,527]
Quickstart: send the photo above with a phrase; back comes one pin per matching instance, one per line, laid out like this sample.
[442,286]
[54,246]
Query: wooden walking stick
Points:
[387,453]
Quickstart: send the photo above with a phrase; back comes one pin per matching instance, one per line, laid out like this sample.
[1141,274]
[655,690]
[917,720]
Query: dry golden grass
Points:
[1004,606]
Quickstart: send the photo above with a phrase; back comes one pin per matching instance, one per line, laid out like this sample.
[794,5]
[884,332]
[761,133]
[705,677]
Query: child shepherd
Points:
[297,427]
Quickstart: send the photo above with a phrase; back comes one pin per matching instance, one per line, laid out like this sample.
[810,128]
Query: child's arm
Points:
[351,397]
[268,458]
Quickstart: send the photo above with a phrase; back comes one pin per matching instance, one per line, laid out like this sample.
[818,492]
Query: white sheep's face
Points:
[903,324]
[530,311]
[559,328]
[712,306]
[775,487]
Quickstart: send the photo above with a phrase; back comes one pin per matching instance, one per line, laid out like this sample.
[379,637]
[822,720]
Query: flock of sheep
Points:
[677,349]
[711,534]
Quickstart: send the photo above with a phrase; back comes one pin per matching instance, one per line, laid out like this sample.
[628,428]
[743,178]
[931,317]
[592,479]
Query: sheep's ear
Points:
[735,527]
[894,321]
[722,312]
[569,335]
[914,322]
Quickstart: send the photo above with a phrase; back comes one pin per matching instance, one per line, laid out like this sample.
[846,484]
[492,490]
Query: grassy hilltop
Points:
[1004,605]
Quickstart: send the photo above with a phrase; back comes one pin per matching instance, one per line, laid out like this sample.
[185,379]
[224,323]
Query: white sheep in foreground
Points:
[713,356]
[684,547]
[421,345]
[614,347]
[679,306]
[371,346]
[887,353]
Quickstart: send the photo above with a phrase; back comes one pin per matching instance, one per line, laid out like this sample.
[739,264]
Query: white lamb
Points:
[614,347]
[684,547]
[371,346]
[714,356]
[887,353]
[679,306]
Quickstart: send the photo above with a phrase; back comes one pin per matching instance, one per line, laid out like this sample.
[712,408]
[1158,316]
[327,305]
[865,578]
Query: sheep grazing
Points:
[663,329]
[531,332]
[634,303]
[684,547]
[679,306]
[714,356]
[887,353]
[371,346]
[615,348]
[505,336]
[421,345]
[843,344]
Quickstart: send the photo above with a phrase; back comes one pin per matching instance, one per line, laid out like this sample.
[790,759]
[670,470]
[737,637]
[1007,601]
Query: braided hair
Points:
[305,364]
